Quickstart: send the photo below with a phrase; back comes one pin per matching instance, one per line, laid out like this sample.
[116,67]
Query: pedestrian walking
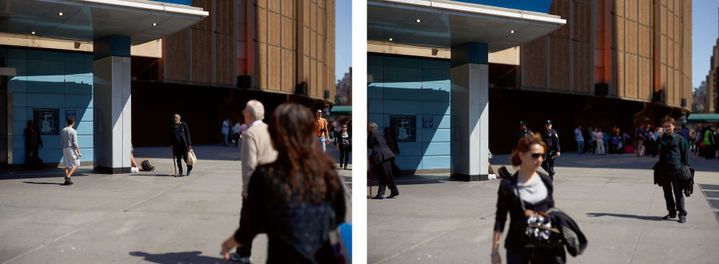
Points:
[70,150]
[321,130]
[521,195]
[708,143]
[380,161]
[343,140]
[599,139]
[236,132]
[296,200]
[181,143]
[225,130]
[579,138]
[673,156]
[551,138]
[256,150]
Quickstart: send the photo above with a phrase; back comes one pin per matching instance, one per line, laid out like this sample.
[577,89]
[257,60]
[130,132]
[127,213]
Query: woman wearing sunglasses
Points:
[528,189]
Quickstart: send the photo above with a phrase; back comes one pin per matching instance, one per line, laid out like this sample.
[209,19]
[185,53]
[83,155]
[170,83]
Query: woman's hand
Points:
[228,245]
[496,258]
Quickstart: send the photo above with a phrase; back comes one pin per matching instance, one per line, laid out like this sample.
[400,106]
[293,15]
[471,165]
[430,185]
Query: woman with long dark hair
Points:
[298,199]
[525,192]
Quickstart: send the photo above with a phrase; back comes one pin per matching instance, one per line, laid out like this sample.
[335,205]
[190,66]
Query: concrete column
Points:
[470,111]
[112,104]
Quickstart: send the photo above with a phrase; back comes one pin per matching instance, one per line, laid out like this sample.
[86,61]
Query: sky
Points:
[343,37]
[705,29]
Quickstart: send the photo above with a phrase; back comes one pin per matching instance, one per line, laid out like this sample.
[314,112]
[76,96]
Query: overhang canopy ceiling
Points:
[87,20]
[444,24]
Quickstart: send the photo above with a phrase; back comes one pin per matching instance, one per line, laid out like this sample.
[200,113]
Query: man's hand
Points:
[558,154]
[228,245]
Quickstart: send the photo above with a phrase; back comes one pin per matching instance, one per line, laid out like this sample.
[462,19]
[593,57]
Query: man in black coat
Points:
[552,139]
[181,143]
[381,162]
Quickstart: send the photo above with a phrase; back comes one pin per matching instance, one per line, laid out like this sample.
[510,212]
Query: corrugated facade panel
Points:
[176,56]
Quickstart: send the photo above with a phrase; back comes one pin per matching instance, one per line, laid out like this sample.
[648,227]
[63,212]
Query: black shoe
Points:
[68,181]
[669,216]
[179,175]
[188,173]
[682,219]
[393,195]
[378,197]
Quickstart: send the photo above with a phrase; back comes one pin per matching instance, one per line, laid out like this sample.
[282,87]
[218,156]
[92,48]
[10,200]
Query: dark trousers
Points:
[344,156]
[180,156]
[674,203]
[536,255]
[31,151]
[384,172]
[245,248]
[548,165]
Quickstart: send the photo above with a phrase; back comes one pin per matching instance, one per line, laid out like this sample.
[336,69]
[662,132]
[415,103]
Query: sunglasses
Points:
[537,155]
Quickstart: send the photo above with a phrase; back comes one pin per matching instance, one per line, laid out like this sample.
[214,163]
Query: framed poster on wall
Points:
[47,120]
[404,127]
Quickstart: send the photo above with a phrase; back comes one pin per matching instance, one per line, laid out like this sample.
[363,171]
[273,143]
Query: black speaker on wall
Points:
[601,89]
[658,96]
[301,88]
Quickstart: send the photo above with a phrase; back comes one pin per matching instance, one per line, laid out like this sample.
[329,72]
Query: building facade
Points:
[614,63]
[271,50]
[72,59]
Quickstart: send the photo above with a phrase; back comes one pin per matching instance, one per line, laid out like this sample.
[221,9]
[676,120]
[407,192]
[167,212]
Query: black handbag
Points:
[540,231]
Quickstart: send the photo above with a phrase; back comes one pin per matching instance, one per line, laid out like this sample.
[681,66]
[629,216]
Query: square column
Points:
[470,112]
[112,104]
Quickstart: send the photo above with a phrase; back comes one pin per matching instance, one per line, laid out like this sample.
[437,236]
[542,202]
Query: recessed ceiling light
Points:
[32,32]
[154,24]
[511,31]
[419,20]
[390,39]
[59,13]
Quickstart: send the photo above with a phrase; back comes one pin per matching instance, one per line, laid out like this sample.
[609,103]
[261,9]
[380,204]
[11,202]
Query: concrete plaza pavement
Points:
[150,217]
[612,198]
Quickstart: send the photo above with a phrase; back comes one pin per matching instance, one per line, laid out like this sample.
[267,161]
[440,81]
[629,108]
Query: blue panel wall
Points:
[50,79]
[529,5]
[413,86]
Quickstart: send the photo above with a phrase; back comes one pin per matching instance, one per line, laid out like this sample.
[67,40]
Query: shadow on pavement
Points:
[34,182]
[34,174]
[640,217]
[153,174]
[177,257]
[203,152]
[615,161]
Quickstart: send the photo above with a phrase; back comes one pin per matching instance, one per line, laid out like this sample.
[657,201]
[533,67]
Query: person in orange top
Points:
[320,130]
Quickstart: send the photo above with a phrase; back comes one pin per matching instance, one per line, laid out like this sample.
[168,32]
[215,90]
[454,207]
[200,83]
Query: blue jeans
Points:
[580,146]
[322,143]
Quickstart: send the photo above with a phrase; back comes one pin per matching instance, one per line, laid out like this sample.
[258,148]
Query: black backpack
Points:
[146,166]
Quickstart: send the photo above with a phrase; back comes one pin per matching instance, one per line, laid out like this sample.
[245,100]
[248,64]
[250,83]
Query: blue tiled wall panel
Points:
[19,99]
[435,108]
[84,128]
[19,113]
[45,100]
[404,159]
[20,65]
[377,118]
[410,148]
[435,135]
[50,79]
[375,106]
[83,101]
[397,107]
[17,53]
[392,93]
[45,68]
[47,85]
[15,85]
[437,148]
[436,162]
[419,87]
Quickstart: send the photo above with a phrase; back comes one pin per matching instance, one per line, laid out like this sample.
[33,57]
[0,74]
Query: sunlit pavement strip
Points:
[140,218]
[611,197]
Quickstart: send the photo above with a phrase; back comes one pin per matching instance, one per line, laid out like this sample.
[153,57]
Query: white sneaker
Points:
[492,176]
